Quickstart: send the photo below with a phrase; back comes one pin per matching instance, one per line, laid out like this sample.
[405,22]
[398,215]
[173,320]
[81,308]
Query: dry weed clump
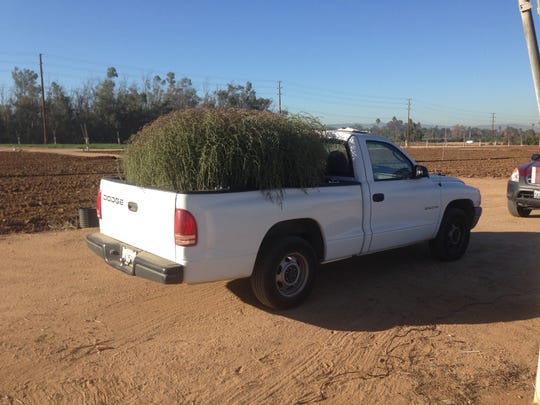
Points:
[227,149]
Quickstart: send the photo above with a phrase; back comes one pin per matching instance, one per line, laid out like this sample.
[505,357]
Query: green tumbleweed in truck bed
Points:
[217,149]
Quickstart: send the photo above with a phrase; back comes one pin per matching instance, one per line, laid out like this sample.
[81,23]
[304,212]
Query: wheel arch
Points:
[305,228]
[466,206]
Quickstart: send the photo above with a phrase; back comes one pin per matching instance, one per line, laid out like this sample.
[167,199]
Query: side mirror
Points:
[420,171]
[535,156]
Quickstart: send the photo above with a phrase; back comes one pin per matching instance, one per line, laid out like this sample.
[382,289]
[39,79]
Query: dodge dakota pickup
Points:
[375,197]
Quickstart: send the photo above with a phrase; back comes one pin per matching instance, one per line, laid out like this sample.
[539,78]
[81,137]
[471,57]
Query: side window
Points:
[388,162]
[338,162]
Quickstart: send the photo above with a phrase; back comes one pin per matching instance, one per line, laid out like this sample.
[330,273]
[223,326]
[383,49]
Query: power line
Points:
[357,105]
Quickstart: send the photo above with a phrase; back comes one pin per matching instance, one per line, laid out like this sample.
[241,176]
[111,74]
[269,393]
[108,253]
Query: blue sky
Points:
[342,61]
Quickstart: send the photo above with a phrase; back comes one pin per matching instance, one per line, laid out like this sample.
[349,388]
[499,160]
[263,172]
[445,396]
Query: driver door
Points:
[404,208]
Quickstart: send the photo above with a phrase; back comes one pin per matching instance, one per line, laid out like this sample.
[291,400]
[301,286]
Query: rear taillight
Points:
[98,204]
[185,228]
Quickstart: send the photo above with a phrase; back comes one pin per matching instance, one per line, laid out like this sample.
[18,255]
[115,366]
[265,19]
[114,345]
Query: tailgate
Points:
[138,216]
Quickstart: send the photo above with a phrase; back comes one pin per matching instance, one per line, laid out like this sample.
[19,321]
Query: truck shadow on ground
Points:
[498,280]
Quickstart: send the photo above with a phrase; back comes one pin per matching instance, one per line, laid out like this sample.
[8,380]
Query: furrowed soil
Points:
[44,191]
[397,327]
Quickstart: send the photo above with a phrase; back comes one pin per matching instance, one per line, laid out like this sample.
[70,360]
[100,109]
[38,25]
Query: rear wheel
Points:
[453,237]
[284,272]
[516,210]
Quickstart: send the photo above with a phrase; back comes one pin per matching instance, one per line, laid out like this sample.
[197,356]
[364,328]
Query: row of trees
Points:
[110,111]
[106,111]
[397,130]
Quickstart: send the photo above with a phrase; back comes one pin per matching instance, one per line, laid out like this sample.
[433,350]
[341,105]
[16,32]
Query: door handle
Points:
[378,197]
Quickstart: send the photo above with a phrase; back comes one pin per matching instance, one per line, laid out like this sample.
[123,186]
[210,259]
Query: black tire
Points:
[284,272]
[453,237]
[516,210]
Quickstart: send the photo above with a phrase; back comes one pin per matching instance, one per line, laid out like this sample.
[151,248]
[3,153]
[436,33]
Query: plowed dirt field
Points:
[43,191]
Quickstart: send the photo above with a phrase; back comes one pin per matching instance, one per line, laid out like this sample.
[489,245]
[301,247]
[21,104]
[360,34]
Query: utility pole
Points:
[43,114]
[408,137]
[493,127]
[532,45]
[279,95]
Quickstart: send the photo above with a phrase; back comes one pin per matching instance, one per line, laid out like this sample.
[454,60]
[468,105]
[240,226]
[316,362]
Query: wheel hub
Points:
[292,274]
[454,235]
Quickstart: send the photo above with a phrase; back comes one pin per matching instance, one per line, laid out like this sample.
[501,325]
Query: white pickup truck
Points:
[375,198]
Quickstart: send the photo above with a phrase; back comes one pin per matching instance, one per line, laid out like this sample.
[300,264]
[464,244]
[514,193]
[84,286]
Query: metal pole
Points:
[408,137]
[525,7]
[493,127]
[537,390]
[43,101]
[279,95]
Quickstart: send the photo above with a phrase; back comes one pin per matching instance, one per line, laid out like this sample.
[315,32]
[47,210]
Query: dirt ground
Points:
[397,327]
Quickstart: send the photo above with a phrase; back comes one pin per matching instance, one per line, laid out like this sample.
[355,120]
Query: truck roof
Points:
[345,133]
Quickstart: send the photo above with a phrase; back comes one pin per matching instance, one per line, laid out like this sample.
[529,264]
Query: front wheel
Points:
[453,237]
[284,272]
[516,210]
